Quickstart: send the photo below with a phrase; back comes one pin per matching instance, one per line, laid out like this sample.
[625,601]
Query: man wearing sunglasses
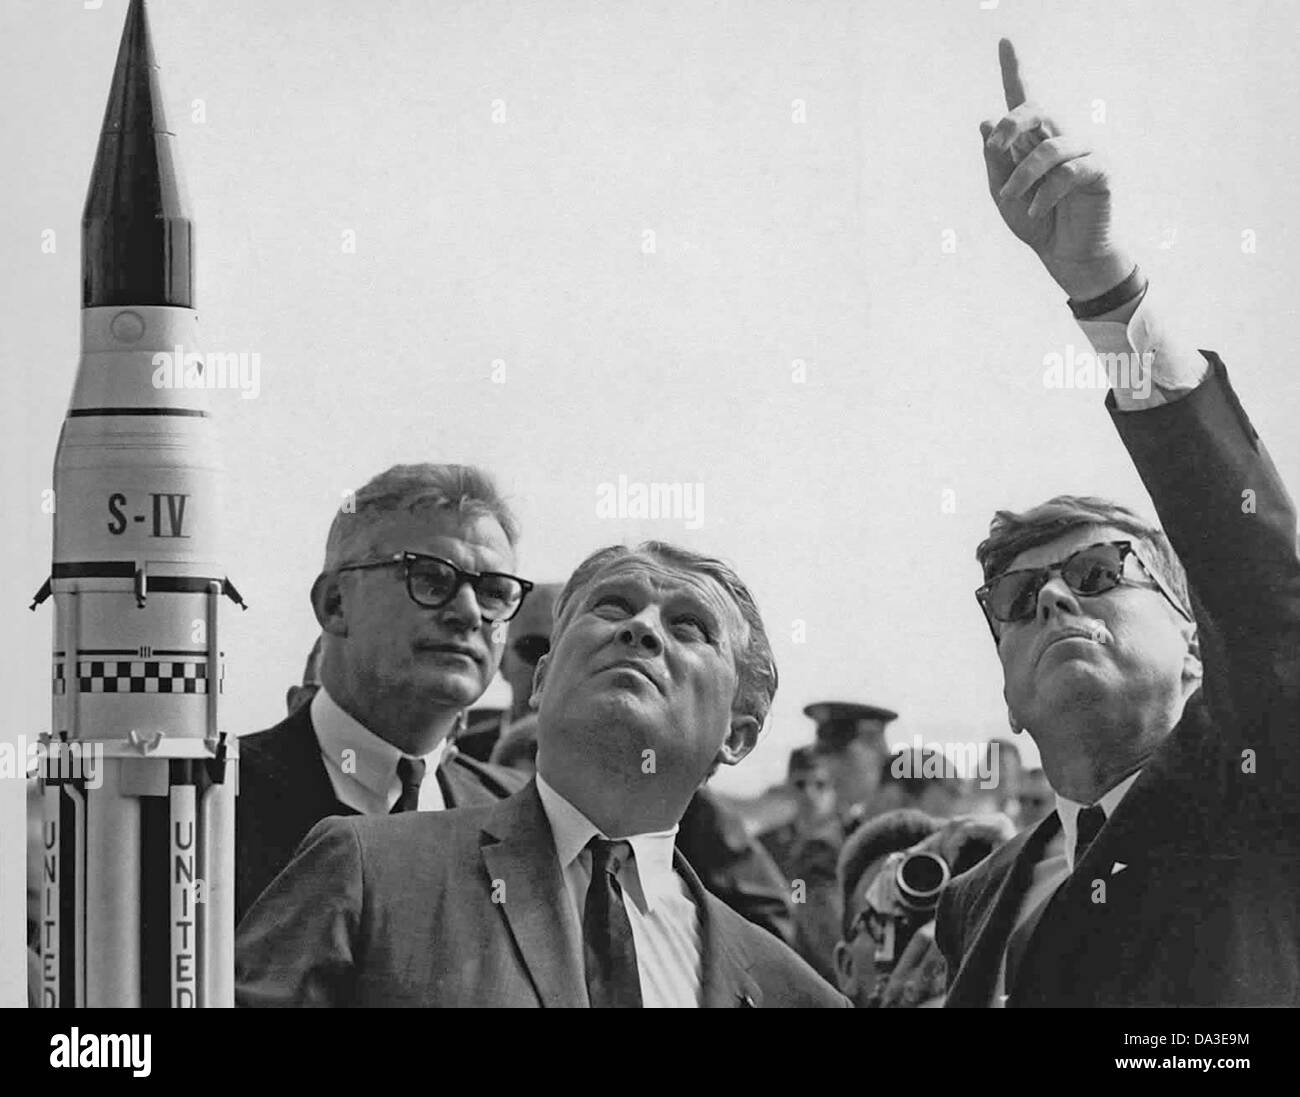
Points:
[1164,703]
[570,892]
[413,603]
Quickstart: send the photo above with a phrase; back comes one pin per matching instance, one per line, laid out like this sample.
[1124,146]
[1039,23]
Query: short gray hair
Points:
[462,489]
[1010,534]
[755,663]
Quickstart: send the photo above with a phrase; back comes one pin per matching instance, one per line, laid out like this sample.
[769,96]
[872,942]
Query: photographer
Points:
[892,872]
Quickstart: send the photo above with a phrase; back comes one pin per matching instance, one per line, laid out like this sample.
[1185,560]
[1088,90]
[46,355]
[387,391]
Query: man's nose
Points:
[1057,597]
[462,611]
[641,632]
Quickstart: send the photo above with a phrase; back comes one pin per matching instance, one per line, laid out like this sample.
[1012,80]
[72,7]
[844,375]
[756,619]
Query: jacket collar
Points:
[518,851]
[1009,870]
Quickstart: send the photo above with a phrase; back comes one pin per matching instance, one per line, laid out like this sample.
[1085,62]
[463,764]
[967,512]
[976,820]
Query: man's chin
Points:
[453,690]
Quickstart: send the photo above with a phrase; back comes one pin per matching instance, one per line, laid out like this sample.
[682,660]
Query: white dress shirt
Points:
[1135,328]
[1056,864]
[665,929]
[362,767]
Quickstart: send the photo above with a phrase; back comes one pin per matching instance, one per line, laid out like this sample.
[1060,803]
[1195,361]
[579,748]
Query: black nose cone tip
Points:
[137,240]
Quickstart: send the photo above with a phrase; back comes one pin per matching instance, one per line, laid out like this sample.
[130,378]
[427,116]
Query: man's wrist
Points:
[1128,292]
[1087,281]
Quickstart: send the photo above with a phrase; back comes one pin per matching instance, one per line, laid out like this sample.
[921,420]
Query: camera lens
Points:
[921,877]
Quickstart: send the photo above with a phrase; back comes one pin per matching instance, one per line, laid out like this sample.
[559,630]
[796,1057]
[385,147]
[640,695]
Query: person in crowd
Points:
[922,779]
[808,778]
[528,638]
[570,891]
[418,574]
[1036,800]
[1157,671]
[850,739]
[886,954]
[298,696]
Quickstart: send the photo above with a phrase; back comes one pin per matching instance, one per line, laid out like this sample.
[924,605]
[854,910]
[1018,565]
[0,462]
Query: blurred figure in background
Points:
[851,741]
[996,787]
[809,780]
[297,696]
[1037,799]
[891,873]
[921,779]
[528,639]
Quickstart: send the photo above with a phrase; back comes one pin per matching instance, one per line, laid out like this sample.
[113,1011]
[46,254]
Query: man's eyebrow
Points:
[613,582]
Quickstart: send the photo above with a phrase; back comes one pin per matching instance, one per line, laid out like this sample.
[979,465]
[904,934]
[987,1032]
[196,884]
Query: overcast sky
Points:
[746,246]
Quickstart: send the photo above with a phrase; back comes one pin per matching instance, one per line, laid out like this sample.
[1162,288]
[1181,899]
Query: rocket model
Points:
[137,904]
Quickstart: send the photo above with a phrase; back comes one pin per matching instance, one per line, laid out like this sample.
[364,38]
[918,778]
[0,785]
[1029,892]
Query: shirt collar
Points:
[374,760]
[1069,810]
[652,870]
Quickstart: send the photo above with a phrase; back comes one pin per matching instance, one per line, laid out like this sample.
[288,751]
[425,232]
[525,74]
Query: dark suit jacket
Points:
[1190,894]
[734,866]
[465,908]
[284,791]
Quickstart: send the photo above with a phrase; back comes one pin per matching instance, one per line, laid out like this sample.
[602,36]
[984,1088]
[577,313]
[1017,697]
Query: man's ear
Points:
[327,604]
[844,975]
[539,680]
[741,738]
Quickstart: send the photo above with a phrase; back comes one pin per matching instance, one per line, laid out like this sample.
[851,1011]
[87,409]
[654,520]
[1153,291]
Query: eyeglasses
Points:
[432,582]
[531,648]
[1092,570]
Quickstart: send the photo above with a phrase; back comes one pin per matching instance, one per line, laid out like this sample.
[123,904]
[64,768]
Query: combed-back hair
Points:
[460,489]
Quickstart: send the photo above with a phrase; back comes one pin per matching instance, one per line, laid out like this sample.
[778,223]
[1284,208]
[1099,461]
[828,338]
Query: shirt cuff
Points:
[1146,366]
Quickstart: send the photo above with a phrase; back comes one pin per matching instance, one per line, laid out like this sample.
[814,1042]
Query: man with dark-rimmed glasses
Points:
[1164,702]
[413,603]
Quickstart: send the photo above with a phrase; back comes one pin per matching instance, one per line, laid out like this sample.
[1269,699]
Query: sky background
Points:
[811,173]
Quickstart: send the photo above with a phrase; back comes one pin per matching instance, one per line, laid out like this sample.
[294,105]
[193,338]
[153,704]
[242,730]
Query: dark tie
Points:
[609,954]
[1090,821]
[410,771]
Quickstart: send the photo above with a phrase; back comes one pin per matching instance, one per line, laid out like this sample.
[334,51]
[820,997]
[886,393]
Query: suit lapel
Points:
[724,964]
[977,977]
[519,851]
[302,769]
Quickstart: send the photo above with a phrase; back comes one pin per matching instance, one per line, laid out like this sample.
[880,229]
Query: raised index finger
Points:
[1011,85]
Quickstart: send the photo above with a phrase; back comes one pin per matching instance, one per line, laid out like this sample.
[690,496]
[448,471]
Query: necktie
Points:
[1091,820]
[609,954]
[410,771]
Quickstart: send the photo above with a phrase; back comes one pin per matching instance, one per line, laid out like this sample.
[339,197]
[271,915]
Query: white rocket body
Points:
[137,903]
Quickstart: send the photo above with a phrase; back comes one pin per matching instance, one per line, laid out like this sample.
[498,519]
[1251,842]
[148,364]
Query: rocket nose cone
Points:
[137,239]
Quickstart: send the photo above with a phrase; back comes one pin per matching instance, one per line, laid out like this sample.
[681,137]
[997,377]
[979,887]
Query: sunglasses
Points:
[1091,571]
[433,582]
[530,649]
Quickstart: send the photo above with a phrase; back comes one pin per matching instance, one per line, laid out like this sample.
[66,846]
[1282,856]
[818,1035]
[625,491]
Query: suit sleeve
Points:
[296,946]
[1233,525]
[947,929]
